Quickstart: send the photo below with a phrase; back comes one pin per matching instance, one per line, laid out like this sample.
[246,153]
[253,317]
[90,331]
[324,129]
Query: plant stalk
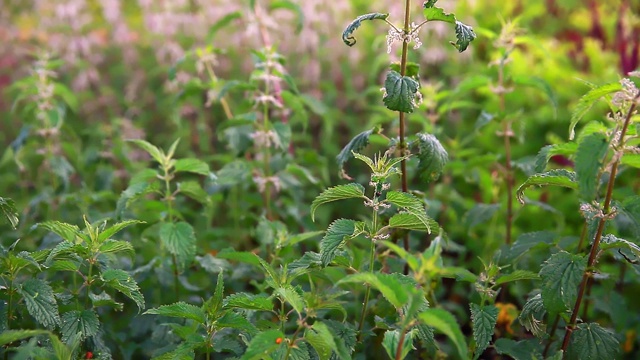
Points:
[400,343]
[508,176]
[371,260]
[596,242]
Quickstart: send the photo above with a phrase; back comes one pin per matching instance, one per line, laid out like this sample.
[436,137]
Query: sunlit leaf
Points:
[442,321]
[587,101]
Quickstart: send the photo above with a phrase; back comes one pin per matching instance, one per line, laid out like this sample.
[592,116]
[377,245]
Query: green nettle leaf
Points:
[9,336]
[411,221]
[248,302]
[443,321]
[566,149]
[391,341]
[124,283]
[40,301]
[293,297]
[236,321]
[157,154]
[335,193]
[116,228]
[532,316]
[322,340]
[465,35]
[557,177]
[561,274]
[81,323]
[437,14]
[356,144]
[612,242]
[394,287]
[589,157]
[433,157]
[9,210]
[180,240]
[591,341]
[400,92]
[194,190]
[484,322]
[429,3]
[262,344]
[632,160]
[338,233]
[347,36]
[117,246]
[516,276]
[180,310]
[66,231]
[104,299]
[215,303]
[191,165]
[405,201]
[587,101]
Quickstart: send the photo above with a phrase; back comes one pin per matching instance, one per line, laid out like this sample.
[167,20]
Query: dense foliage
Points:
[298,179]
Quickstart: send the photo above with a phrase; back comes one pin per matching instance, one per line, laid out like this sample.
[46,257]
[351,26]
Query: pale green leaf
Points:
[516,276]
[347,34]
[400,92]
[335,193]
[412,221]
[566,149]
[446,323]
[292,297]
[180,310]
[587,101]
[40,301]
[558,177]
[116,228]
[194,190]
[591,341]
[561,274]
[630,159]
[124,283]
[437,14]
[180,240]
[405,201]
[157,154]
[262,344]
[191,165]
[79,323]
[391,341]
[66,231]
[249,302]
[484,321]
[589,160]
[391,286]
[10,336]
[117,246]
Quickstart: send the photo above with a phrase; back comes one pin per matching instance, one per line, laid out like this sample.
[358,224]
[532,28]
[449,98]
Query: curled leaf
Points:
[465,35]
[347,36]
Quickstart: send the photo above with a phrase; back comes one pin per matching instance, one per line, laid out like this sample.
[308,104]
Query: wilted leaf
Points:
[347,36]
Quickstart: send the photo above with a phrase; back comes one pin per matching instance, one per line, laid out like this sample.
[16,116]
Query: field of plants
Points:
[319,180]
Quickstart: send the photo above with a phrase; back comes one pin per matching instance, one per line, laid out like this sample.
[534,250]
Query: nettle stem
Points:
[372,254]
[168,197]
[403,334]
[401,118]
[601,223]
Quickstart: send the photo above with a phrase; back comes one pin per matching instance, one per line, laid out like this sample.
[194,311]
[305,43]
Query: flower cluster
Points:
[397,35]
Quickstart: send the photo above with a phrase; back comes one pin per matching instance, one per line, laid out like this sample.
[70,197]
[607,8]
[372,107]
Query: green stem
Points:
[282,315]
[293,339]
[596,242]
[400,343]
[168,196]
[507,131]
[89,275]
[371,263]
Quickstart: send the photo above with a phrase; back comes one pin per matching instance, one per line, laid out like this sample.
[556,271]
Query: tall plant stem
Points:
[596,242]
[507,132]
[401,116]
[371,260]
[403,334]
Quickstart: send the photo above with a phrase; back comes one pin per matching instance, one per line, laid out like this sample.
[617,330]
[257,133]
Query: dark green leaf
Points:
[566,149]
[194,190]
[117,246]
[180,241]
[79,323]
[589,158]
[124,283]
[532,316]
[521,350]
[465,35]
[335,193]
[561,274]
[66,231]
[9,336]
[347,36]
[587,101]
[557,177]
[321,338]
[484,322]
[338,233]
[40,301]
[444,322]
[480,214]
[356,144]
[180,310]
[116,228]
[400,92]
[104,299]
[433,157]
[262,344]
[591,341]
[293,297]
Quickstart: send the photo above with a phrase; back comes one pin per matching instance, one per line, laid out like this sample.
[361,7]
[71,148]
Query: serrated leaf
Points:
[248,302]
[391,341]
[262,344]
[532,316]
[390,286]
[356,144]
[157,154]
[566,149]
[116,228]
[117,246]
[180,310]
[587,101]
[557,177]
[336,193]
[236,321]
[405,201]
[241,256]
[591,341]
[291,296]
[104,299]
[589,159]
[433,157]
[437,14]
[338,233]
[321,338]
[516,276]
[81,323]
[400,92]
[40,301]
[64,265]
[9,336]
[124,283]
[411,221]
[444,322]
[215,303]
[180,240]
[411,69]
[484,322]
[561,274]
[194,190]
[520,350]
[66,231]
[465,35]
[9,210]
[612,242]
[347,34]
[191,165]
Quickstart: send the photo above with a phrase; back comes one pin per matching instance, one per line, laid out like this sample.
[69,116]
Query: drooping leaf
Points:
[194,190]
[8,209]
[238,321]
[561,274]
[444,322]
[104,299]
[191,165]
[356,144]
[587,101]
[40,301]
[391,286]
[263,344]
[338,233]
[335,193]
[180,310]
[591,341]
[532,316]
[391,341]
[557,177]
[347,34]
[465,35]
[589,158]
[612,242]
[433,157]
[484,320]
[516,276]
[79,323]
[400,92]
[248,302]
[124,283]
[180,240]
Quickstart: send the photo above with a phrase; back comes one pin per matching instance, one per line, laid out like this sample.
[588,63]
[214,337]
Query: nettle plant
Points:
[601,153]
